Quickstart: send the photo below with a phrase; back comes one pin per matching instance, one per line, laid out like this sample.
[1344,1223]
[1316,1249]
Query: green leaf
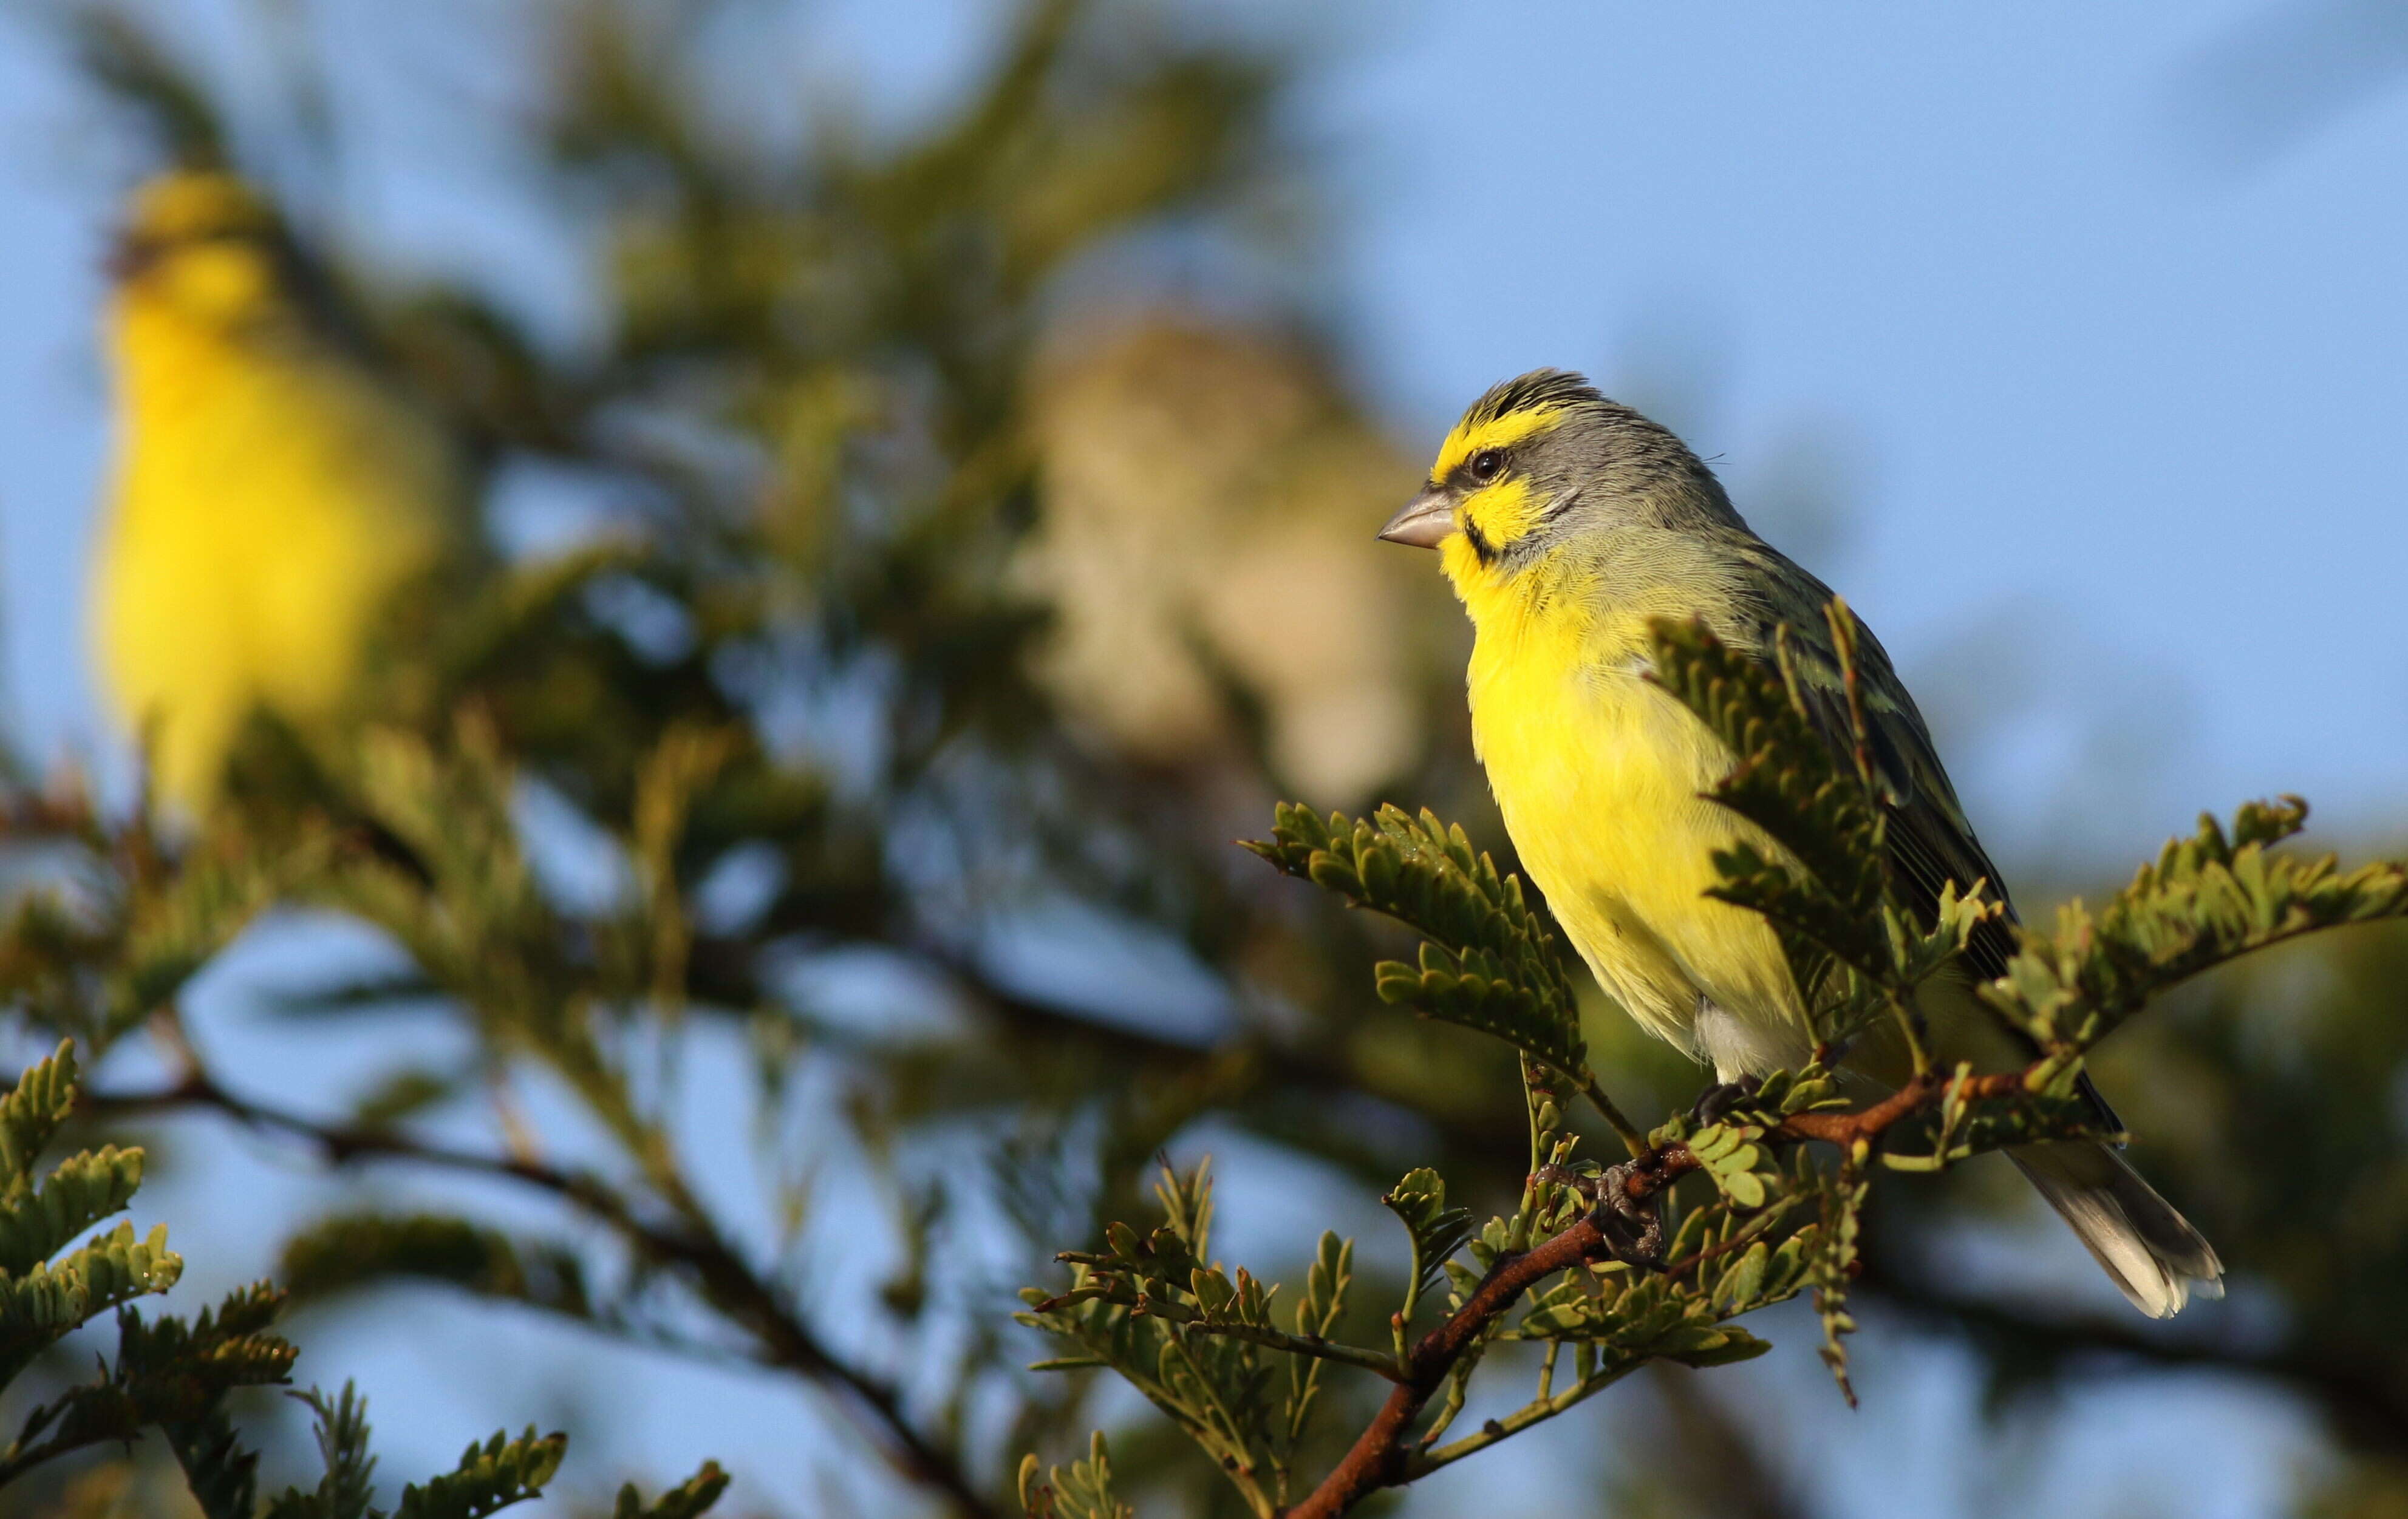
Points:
[43,1097]
[174,930]
[191,1365]
[398,1095]
[1571,1309]
[490,1478]
[1081,1490]
[1830,1264]
[1745,1188]
[1490,962]
[1188,1207]
[82,1190]
[177,1376]
[1317,1313]
[46,1302]
[1437,1230]
[1721,1346]
[1738,1288]
[689,1500]
[1731,1154]
[1786,782]
[342,1435]
[220,1472]
[2206,900]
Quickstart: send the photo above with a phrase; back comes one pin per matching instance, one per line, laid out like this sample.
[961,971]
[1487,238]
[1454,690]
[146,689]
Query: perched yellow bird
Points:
[1567,522]
[270,494]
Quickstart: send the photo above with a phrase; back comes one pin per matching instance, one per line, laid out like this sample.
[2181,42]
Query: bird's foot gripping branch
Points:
[1600,1270]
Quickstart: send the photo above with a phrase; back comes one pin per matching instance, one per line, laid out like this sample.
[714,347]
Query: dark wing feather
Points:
[1931,842]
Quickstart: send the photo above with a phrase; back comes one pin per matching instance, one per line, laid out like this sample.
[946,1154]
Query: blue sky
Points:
[2108,391]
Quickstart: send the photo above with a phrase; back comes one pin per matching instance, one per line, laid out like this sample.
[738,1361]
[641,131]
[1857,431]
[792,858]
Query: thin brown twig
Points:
[1377,1458]
[725,1280]
[1846,1128]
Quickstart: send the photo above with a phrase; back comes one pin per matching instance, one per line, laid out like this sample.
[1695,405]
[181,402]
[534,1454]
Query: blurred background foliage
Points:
[780,890]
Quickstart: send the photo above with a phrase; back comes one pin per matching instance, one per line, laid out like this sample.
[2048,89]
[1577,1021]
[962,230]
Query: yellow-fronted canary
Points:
[270,492]
[1566,523]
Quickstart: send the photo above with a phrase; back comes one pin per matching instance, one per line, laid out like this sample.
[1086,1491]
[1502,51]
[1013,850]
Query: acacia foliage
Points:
[788,701]
[172,1375]
[789,671]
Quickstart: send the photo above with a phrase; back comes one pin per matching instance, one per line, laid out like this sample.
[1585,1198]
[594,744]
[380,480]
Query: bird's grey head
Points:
[1546,456]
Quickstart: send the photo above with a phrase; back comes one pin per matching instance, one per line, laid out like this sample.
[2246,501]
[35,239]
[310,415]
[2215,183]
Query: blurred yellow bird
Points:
[270,493]
[1567,522]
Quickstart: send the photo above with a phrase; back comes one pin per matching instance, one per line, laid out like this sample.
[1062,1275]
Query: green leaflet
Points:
[1731,1156]
[1201,1342]
[172,932]
[341,1429]
[490,1478]
[84,1188]
[1438,1231]
[689,1500]
[2206,900]
[1786,782]
[1081,1490]
[1489,961]
[43,1097]
[55,1296]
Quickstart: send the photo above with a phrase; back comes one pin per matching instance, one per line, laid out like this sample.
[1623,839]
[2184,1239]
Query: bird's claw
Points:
[1633,1230]
[1721,1098]
[1584,1181]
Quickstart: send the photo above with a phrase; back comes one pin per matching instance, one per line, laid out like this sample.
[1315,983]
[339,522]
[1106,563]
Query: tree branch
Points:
[725,1280]
[1378,1456]
[1382,1456]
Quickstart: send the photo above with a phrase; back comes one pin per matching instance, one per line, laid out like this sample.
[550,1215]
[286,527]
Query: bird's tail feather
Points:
[2149,1250]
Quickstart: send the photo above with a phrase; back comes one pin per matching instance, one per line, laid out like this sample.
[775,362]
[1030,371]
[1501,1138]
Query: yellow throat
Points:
[1600,774]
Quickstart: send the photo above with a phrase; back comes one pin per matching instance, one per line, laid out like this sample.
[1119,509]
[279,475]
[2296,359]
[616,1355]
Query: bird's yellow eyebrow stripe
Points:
[1470,437]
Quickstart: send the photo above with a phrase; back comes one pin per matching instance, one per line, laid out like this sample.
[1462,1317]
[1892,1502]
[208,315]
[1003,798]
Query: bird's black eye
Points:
[1485,465]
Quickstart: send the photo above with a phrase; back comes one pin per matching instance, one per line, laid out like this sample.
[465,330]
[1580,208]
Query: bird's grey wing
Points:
[1931,844]
[1930,841]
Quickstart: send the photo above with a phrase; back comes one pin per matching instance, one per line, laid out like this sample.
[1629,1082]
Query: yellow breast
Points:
[1600,774]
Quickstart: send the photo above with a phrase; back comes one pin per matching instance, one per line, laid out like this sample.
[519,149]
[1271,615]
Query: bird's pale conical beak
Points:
[1425,522]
